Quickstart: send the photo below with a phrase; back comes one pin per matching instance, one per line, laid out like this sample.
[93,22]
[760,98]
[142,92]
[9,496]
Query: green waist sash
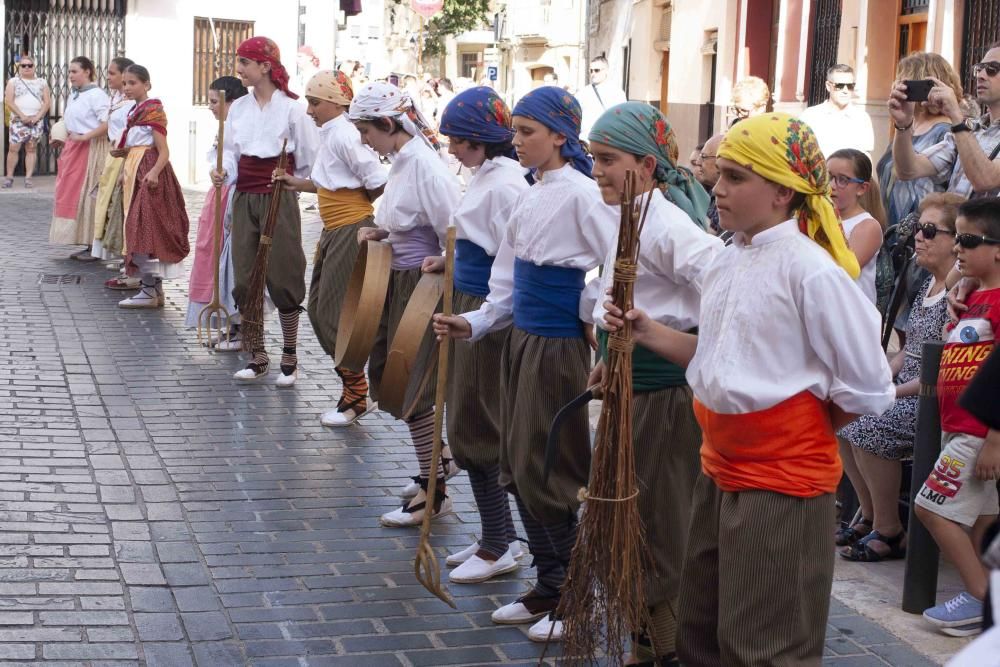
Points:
[650,372]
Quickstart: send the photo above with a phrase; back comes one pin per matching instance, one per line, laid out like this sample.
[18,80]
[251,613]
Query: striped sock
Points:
[290,336]
[422,435]
[253,341]
[355,388]
[551,547]
[494,510]
[663,628]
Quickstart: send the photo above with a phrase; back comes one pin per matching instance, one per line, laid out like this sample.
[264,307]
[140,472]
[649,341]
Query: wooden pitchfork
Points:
[425,566]
[216,311]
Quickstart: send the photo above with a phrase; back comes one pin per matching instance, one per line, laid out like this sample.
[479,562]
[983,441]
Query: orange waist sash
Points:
[789,448]
[343,207]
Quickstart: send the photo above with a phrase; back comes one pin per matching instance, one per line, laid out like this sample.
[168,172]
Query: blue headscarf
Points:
[560,112]
[478,114]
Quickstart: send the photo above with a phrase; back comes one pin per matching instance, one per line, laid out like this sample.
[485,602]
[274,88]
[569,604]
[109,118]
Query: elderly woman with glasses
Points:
[28,99]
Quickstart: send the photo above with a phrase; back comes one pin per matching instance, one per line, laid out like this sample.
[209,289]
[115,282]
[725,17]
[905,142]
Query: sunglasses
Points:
[27,65]
[842,86]
[595,71]
[930,231]
[971,241]
[992,68]
[843,181]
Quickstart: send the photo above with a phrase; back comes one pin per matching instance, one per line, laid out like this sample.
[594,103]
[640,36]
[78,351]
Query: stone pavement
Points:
[154,512]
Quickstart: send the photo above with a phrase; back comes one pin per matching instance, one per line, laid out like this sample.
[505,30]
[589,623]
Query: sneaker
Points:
[123,284]
[528,608]
[460,557]
[348,415]
[545,630]
[251,373]
[962,610]
[477,569]
[413,515]
[286,380]
[147,297]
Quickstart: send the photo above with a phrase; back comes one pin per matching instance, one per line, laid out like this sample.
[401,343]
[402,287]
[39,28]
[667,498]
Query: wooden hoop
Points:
[404,347]
[364,301]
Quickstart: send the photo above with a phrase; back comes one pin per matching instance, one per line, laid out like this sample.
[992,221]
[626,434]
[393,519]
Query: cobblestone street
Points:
[154,512]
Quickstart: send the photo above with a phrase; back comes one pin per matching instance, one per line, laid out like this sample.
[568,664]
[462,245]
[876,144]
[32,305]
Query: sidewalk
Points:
[152,512]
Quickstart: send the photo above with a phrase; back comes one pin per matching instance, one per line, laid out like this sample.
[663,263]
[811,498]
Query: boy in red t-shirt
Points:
[961,492]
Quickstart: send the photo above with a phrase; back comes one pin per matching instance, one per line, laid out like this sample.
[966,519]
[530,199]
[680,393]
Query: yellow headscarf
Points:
[784,150]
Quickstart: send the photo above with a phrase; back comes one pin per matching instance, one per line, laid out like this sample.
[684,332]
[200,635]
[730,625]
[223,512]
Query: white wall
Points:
[160,36]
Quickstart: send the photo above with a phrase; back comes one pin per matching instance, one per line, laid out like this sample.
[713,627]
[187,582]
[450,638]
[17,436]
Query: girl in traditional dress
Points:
[478,126]
[416,206]
[202,280]
[156,222]
[559,229]
[81,160]
[348,177]
[674,253]
[109,212]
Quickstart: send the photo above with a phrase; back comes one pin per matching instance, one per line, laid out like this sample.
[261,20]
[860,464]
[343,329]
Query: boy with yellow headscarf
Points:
[787,352]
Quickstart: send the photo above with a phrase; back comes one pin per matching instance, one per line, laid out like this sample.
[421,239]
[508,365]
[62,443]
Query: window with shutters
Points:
[215,44]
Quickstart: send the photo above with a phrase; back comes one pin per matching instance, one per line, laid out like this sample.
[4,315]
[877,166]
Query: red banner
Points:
[427,8]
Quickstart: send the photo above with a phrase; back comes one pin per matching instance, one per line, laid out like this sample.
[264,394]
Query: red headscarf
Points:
[264,50]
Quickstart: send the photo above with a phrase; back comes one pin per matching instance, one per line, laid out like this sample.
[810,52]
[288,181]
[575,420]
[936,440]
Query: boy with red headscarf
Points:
[255,129]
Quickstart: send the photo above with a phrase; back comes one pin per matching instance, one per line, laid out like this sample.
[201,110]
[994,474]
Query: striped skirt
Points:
[475,394]
[401,286]
[542,375]
[336,254]
[104,209]
[87,208]
[667,444]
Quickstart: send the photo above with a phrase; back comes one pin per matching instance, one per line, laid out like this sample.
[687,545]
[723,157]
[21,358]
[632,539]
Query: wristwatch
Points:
[967,125]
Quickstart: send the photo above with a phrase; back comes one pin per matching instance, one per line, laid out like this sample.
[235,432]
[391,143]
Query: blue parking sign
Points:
[491,72]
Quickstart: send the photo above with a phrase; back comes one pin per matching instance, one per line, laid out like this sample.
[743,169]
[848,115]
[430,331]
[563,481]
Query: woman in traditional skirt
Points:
[81,160]
[416,206]
[156,222]
[202,280]
[674,252]
[109,211]
[559,230]
[348,177]
[477,124]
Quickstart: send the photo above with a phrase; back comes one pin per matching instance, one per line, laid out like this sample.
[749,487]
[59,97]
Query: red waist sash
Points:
[789,448]
[254,173]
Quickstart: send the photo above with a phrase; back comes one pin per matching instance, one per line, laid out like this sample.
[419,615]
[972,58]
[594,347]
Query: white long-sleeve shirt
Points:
[674,256]
[779,317]
[85,112]
[343,162]
[117,120]
[560,221]
[483,213]
[420,192]
[260,131]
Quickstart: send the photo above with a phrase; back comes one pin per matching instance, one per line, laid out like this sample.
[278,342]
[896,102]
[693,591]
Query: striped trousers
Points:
[755,588]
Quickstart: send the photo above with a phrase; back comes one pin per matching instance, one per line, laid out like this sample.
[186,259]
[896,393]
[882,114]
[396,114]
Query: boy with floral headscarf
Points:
[786,353]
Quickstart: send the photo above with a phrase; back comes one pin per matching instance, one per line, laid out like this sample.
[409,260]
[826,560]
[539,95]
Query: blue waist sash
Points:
[472,268]
[547,300]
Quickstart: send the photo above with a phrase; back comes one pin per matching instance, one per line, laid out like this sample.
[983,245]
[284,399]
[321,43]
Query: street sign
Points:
[492,72]
[427,8]
[491,54]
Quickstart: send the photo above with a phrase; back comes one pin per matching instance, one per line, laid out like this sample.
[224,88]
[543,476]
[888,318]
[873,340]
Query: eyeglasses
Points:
[992,68]
[695,163]
[595,70]
[708,157]
[843,181]
[929,230]
[27,65]
[842,86]
[971,241]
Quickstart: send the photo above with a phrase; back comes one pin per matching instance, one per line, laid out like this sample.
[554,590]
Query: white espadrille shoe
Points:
[477,569]
[545,630]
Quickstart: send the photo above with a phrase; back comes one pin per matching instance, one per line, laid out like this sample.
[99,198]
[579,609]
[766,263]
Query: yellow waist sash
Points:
[343,207]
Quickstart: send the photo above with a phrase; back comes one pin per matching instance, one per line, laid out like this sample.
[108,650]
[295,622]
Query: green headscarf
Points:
[639,129]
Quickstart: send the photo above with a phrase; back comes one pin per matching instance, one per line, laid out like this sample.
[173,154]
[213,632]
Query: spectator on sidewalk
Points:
[837,122]
[28,99]
[878,444]
[695,161]
[965,160]
[710,176]
[750,97]
[601,94]
[958,501]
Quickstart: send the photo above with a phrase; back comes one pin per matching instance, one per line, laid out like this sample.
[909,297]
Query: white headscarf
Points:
[384,100]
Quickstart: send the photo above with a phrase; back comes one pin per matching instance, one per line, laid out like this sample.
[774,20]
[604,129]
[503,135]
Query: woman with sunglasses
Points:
[878,444]
[29,100]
